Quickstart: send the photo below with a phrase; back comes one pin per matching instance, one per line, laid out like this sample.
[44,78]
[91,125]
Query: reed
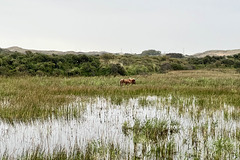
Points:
[95,150]
[147,127]
[29,98]
[154,133]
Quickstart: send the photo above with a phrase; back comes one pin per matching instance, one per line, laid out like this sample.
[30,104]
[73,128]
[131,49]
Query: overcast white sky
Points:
[121,25]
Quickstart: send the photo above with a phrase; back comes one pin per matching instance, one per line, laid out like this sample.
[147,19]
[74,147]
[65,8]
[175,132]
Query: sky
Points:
[129,26]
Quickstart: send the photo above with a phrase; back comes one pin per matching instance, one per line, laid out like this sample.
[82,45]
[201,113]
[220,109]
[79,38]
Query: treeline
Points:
[216,61]
[54,65]
[14,63]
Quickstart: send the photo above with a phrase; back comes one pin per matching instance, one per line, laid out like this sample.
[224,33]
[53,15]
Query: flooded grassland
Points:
[179,115]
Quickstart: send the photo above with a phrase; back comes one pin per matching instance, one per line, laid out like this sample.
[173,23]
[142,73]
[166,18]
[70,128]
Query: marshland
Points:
[176,115]
[74,106]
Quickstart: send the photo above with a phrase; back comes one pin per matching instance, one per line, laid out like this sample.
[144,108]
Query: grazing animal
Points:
[127,81]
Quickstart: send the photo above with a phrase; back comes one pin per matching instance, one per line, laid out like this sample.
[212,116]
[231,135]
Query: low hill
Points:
[49,52]
[217,53]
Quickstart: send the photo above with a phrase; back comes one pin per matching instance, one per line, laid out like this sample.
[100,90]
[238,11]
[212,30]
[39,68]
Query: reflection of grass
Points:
[40,97]
[222,148]
[94,150]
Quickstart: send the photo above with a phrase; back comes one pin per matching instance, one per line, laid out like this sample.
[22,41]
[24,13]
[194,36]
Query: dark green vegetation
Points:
[150,61]
[151,52]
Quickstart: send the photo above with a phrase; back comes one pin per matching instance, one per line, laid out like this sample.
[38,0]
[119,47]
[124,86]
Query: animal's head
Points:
[132,80]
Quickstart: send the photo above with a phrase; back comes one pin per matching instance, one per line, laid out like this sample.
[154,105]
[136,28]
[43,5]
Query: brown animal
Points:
[132,80]
[127,81]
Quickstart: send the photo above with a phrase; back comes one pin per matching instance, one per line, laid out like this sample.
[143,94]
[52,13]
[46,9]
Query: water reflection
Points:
[102,121]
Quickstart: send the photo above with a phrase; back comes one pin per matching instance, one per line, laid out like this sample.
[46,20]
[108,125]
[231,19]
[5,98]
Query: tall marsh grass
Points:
[146,127]
[30,98]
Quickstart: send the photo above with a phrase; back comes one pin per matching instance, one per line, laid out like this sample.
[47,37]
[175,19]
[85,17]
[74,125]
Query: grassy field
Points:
[184,114]
[30,98]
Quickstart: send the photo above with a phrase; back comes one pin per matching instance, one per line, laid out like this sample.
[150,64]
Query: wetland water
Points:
[202,133]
